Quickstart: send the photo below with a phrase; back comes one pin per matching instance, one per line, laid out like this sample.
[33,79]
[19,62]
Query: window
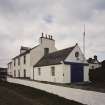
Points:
[92,67]
[24,73]
[10,65]
[46,51]
[24,59]
[53,71]
[14,73]
[18,73]
[77,55]
[14,62]
[39,71]
[19,61]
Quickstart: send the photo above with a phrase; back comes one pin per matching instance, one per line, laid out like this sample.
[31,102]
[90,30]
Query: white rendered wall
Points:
[71,57]
[67,73]
[38,52]
[86,73]
[22,66]
[14,67]
[79,95]
[46,73]
[32,58]
[62,73]
[25,66]
[12,70]
[97,65]
[48,43]
[9,69]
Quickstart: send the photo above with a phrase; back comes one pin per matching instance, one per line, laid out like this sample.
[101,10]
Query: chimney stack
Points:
[95,57]
[46,36]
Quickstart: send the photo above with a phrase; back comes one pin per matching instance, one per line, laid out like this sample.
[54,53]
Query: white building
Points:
[45,63]
[93,63]
[22,64]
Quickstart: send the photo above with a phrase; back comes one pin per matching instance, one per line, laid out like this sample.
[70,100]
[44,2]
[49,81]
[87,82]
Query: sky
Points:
[23,21]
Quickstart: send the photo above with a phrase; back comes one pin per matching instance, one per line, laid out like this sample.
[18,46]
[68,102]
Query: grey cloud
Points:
[22,21]
[49,19]
[99,4]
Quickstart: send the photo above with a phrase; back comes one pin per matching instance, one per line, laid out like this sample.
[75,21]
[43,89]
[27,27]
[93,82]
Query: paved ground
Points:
[14,94]
[98,87]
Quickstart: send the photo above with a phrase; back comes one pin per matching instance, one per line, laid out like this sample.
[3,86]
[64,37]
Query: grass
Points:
[15,94]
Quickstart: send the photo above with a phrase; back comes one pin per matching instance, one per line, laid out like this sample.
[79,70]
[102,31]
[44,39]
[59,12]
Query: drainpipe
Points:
[33,73]
[63,71]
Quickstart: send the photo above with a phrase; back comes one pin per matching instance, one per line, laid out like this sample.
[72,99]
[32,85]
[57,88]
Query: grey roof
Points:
[93,61]
[25,48]
[54,58]
[26,52]
[3,69]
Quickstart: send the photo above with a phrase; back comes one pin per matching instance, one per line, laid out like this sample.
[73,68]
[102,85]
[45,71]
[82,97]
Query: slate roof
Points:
[25,48]
[3,69]
[93,61]
[22,54]
[54,58]
[26,52]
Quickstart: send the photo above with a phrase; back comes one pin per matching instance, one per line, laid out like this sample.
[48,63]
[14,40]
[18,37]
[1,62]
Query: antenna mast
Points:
[84,41]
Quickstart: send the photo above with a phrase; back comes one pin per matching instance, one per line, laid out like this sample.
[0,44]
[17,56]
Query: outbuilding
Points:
[62,66]
[3,73]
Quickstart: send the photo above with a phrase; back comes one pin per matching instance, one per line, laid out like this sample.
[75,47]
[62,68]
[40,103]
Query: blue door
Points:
[77,73]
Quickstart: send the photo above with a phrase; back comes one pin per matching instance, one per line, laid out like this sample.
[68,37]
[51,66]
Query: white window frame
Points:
[52,71]
[39,71]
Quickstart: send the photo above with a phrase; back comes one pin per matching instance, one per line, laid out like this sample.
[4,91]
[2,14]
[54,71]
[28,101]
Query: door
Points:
[77,74]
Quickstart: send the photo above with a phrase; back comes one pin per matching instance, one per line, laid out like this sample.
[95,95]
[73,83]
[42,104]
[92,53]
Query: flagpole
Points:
[84,41]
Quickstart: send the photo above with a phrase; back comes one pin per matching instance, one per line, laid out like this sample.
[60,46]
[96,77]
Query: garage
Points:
[77,73]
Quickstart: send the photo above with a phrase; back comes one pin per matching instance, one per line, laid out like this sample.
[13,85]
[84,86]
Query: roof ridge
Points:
[62,49]
[54,57]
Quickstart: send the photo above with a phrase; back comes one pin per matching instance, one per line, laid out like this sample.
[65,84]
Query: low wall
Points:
[82,96]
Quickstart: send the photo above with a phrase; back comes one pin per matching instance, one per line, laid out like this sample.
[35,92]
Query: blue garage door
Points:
[77,73]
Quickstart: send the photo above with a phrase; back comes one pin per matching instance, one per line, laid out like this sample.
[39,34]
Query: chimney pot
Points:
[42,34]
[46,36]
[49,36]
